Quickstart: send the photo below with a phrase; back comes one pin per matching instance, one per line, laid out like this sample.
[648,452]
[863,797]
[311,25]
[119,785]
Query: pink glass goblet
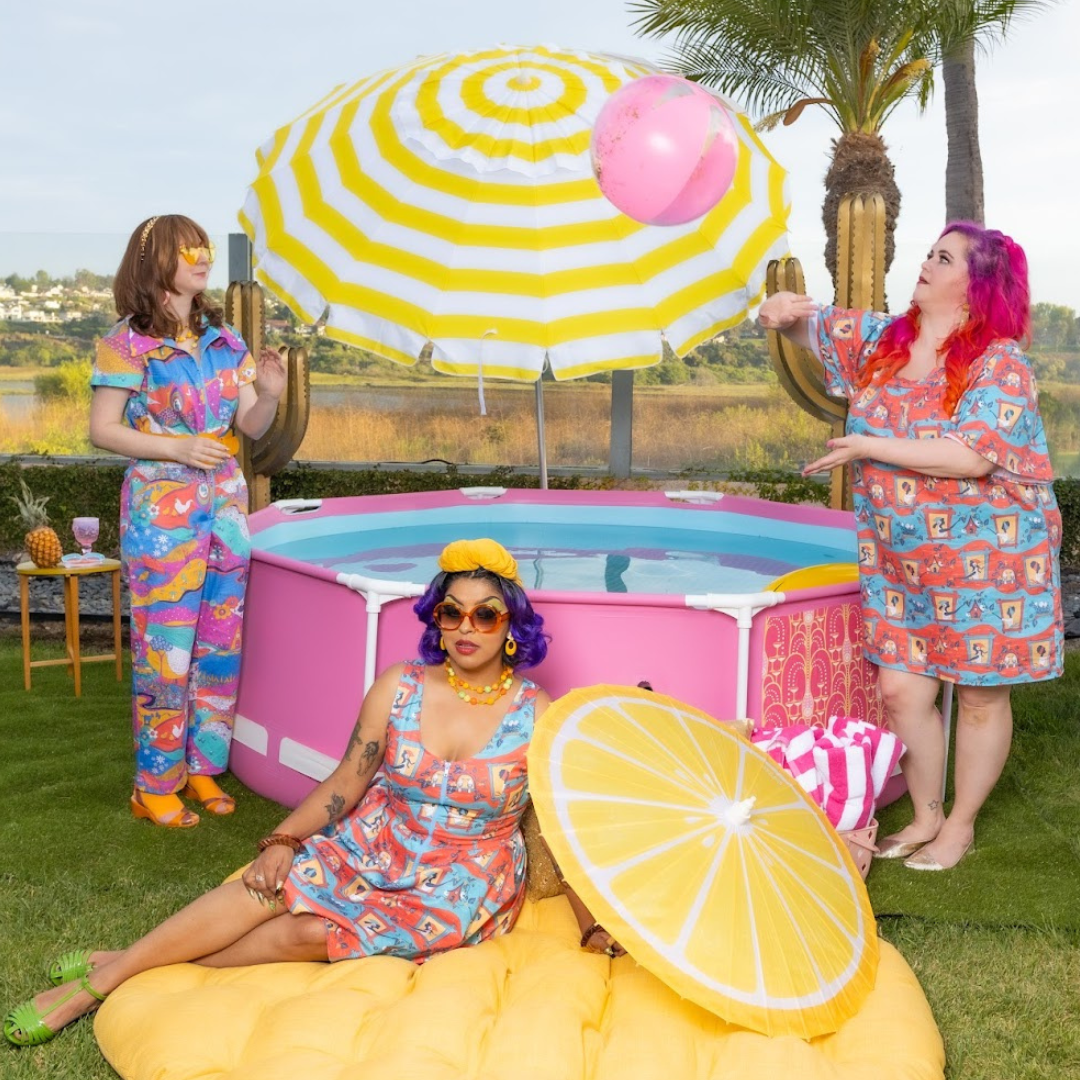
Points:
[86,532]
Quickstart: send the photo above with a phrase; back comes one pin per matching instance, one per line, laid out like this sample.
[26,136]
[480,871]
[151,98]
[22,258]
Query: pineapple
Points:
[42,543]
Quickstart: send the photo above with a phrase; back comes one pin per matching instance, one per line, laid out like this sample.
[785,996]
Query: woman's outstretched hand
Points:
[265,877]
[270,374]
[841,451]
[784,309]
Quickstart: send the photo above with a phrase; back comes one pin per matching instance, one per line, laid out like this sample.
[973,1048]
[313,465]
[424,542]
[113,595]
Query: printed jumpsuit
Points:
[185,548]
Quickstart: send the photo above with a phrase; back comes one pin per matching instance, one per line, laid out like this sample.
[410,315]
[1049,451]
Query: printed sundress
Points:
[960,577]
[433,856]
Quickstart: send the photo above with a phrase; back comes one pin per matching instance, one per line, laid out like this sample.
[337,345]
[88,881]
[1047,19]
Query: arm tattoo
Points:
[354,738]
[335,807]
[369,757]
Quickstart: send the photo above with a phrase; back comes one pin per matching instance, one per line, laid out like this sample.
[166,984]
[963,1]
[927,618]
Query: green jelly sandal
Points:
[25,1024]
[69,967]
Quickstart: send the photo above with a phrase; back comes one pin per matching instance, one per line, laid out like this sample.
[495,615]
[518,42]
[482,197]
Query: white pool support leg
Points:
[376,594]
[946,722]
[743,608]
[374,606]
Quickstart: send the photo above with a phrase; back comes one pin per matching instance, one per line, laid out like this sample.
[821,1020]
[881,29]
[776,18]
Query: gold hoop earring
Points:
[510,648]
[442,644]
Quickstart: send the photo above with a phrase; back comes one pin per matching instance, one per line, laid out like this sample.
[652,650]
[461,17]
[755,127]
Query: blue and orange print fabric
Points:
[960,577]
[176,391]
[185,547]
[433,856]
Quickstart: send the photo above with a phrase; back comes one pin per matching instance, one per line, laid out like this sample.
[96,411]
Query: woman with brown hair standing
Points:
[170,381]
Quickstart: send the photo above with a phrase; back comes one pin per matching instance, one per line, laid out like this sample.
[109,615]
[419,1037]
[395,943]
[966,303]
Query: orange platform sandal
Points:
[205,790]
[164,810]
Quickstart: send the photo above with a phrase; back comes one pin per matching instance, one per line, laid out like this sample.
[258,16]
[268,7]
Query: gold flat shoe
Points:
[923,861]
[898,849]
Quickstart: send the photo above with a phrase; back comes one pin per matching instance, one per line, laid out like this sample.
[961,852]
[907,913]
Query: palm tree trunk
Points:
[860,166]
[963,171]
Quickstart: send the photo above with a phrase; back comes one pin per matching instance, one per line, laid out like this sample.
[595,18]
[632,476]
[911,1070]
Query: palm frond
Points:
[758,86]
[772,54]
[770,122]
[796,110]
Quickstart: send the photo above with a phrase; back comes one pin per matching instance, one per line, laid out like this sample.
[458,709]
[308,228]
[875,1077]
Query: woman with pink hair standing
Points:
[959,530]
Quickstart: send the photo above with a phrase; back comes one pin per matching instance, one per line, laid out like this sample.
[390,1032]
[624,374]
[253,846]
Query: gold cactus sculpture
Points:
[860,284]
[42,543]
[245,308]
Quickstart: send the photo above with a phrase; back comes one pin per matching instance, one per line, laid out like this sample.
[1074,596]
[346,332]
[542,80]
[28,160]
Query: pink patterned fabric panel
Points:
[813,668]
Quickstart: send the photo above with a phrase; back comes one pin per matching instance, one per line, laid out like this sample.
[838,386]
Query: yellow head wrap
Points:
[483,554]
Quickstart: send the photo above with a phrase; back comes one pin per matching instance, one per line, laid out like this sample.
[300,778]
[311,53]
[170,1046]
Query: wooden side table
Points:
[75,659]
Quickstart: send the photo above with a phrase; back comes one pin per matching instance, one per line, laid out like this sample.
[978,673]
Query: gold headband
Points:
[145,235]
[483,554]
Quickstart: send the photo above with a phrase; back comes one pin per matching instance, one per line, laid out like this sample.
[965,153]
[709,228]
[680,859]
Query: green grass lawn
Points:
[77,870]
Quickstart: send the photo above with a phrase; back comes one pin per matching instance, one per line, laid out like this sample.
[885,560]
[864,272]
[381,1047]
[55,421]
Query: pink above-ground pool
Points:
[685,590]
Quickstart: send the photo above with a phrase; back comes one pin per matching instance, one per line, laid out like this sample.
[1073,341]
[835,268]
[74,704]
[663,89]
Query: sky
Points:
[113,110]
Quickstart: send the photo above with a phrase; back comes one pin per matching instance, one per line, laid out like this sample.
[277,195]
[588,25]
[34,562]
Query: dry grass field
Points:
[706,429]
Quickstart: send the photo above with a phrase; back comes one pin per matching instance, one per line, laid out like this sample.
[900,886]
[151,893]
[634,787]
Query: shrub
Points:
[70,381]
[1068,497]
[779,485]
[73,491]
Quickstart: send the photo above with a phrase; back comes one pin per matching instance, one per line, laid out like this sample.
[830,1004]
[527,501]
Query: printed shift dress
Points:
[185,547]
[960,577]
[433,856]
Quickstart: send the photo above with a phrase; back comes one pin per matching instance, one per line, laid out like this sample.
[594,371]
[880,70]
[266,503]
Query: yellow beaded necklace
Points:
[187,340]
[496,690]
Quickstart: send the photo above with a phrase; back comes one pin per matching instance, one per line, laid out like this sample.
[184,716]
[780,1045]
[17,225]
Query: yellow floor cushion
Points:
[528,1006]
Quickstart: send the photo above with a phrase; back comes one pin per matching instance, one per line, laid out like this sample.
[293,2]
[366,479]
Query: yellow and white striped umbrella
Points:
[452,201]
[704,859]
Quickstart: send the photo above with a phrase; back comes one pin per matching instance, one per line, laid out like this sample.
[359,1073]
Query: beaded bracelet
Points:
[595,928]
[279,838]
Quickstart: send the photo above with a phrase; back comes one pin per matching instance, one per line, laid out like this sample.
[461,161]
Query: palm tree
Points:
[857,59]
[963,170]
[963,167]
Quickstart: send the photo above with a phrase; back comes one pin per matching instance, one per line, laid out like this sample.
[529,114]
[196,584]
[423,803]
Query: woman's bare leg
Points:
[983,738]
[298,938]
[910,703]
[209,927]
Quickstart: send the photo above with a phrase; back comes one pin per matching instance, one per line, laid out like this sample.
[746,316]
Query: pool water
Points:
[643,551]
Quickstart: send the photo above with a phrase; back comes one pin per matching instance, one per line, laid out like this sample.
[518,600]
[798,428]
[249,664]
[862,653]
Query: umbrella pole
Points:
[541,442]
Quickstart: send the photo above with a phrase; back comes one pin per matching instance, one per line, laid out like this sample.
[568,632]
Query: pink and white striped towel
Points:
[843,765]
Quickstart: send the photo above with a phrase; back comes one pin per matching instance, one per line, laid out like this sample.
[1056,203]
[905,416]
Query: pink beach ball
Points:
[664,150]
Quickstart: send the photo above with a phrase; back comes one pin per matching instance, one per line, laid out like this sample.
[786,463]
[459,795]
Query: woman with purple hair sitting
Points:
[411,847]
[959,530]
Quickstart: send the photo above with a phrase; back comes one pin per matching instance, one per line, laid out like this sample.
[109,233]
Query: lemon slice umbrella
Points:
[704,859]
